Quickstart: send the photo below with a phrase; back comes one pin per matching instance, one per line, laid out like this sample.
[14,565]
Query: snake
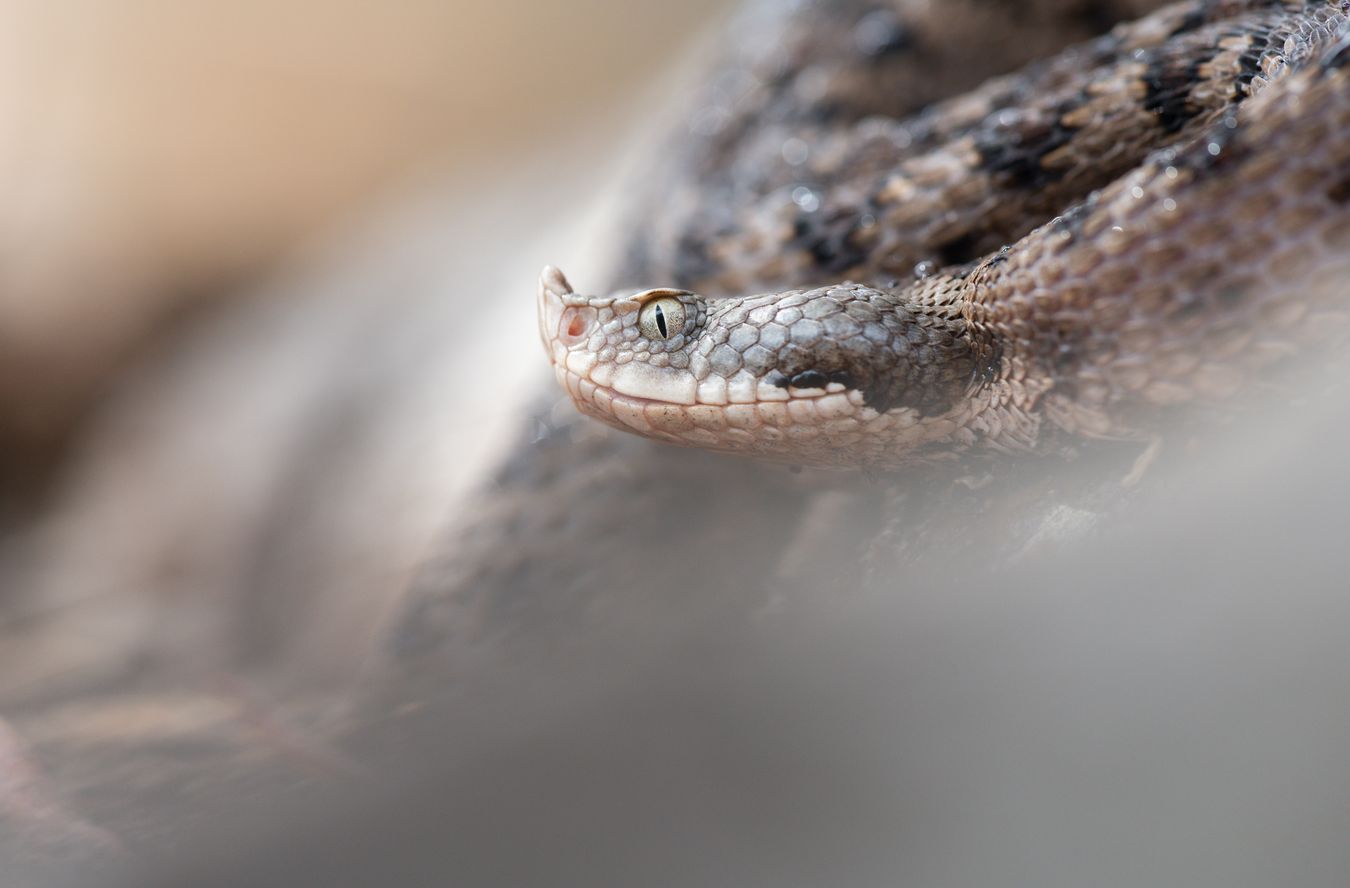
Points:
[831,276]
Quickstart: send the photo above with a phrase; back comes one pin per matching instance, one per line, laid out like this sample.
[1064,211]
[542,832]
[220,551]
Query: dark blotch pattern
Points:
[1249,63]
[810,379]
[1340,192]
[959,251]
[1169,82]
[1015,154]
[844,378]
[829,239]
[1192,21]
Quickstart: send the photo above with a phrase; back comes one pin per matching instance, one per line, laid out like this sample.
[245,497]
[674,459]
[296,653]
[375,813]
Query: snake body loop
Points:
[1163,225]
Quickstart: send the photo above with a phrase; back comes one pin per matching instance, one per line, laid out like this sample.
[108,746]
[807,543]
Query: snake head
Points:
[810,377]
[636,344]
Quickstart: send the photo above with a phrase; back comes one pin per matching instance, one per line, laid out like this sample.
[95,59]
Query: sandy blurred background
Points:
[157,156]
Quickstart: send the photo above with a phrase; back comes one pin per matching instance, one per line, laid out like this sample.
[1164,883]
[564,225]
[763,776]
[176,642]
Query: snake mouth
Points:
[829,430]
[607,402]
[721,426]
[577,385]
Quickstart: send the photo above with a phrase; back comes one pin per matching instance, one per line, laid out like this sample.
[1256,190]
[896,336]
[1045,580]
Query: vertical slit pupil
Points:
[661,322]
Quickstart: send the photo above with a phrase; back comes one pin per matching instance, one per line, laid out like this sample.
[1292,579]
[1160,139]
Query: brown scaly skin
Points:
[885,191]
[573,533]
[1217,254]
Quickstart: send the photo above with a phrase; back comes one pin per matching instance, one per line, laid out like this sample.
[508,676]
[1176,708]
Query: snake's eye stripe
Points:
[662,318]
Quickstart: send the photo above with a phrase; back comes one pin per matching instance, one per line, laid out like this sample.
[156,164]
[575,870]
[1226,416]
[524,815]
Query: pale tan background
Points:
[154,152]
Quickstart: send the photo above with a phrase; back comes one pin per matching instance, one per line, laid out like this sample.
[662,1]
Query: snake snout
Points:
[552,287]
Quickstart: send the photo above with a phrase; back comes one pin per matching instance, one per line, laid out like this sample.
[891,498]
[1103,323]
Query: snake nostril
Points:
[575,324]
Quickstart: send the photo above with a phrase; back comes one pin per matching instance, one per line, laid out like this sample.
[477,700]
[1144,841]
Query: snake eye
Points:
[662,318]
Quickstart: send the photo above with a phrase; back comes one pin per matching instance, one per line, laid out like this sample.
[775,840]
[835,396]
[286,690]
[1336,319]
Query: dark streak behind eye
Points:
[661,322]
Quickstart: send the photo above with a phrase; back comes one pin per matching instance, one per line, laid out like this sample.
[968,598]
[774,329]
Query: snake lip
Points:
[614,394]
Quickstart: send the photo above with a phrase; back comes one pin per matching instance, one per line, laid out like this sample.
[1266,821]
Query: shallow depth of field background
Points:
[219,215]
[159,155]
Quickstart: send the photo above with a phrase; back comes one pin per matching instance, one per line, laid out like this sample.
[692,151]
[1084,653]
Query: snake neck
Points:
[973,355]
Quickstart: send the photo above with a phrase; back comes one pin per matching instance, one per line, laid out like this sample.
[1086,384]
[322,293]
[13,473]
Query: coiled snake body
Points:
[1156,217]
